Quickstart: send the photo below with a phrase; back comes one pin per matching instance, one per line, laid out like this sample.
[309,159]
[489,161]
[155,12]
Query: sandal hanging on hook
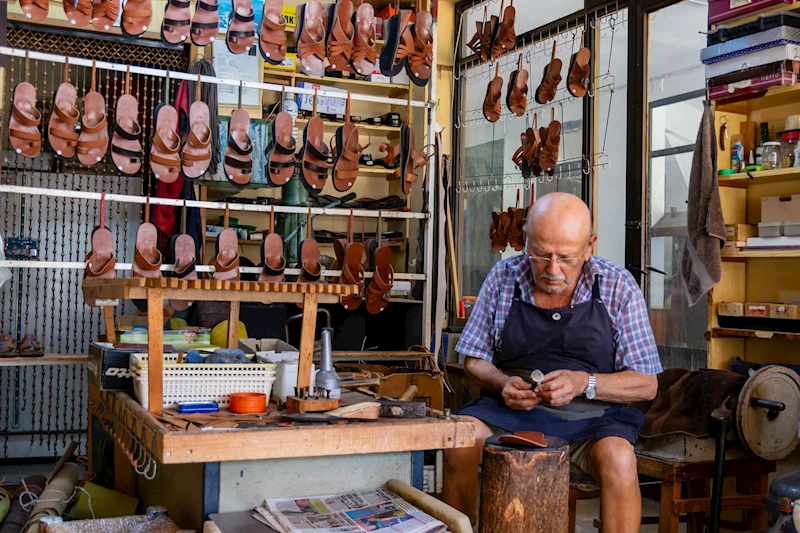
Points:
[491,104]
[551,77]
[504,34]
[238,160]
[517,91]
[93,139]
[580,71]
[100,261]
[126,140]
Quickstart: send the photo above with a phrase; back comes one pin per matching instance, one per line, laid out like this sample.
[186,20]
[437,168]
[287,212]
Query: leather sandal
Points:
[308,261]
[504,36]
[411,159]
[185,254]
[8,346]
[241,32]
[177,22]
[398,45]
[196,153]
[226,262]
[392,158]
[30,346]
[310,37]
[516,234]
[100,261]
[105,13]
[491,104]
[165,159]
[280,151]
[136,17]
[519,158]
[23,126]
[93,139]
[380,286]
[272,35]
[338,251]
[205,23]
[364,54]
[147,258]
[549,157]
[579,72]
[420,60]
[78,12]
[498,232]
[126,144]
[474,44]
[348,153]
[35,9]
[238,160]
[524,438]
[353,274]
[533,153]
[487,39]
[61,131]
[272,261]
[517,91]
[551,77]
[314,155]
[340,34]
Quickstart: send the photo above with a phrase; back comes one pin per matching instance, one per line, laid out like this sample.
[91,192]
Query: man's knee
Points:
[614,461]
[457,456]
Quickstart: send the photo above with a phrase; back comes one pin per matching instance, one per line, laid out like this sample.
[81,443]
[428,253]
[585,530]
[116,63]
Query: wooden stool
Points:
[524,489]
[678,478]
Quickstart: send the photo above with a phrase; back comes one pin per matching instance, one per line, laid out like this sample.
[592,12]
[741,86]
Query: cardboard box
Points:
[325,104]
[777,209]
[108,367]
[756,310]
[740,232]
[290,14]
[269,350]
[395,381]
[177,338]
[449,342]
[730,309]
[289,63]
[783,311]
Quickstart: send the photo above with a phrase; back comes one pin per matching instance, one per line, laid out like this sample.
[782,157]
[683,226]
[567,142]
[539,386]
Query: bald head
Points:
[559,213]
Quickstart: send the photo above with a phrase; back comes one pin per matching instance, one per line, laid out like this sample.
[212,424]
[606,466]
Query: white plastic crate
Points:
[202,382]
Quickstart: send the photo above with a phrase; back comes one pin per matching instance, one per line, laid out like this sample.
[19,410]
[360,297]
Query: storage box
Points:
[730,309]
[289,63]
[756,310]
[783,311]
[325,104]
[720,10]
[791,228]
[763,23]
[777,209]
[740,232]
[449,342]
[742,90]
[290,14]
[770,230]
[751,59]
[108,367]
[269,350]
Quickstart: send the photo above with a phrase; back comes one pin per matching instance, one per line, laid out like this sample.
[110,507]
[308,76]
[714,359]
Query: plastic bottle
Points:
[784,523]
[738,156]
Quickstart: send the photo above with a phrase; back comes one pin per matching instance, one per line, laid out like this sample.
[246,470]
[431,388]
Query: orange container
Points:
[248,402]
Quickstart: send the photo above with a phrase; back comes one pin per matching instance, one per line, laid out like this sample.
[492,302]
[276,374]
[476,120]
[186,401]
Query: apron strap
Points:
[517,292]
[596,288]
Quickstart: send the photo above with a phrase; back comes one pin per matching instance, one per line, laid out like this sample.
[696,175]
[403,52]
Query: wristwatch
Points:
[591,392]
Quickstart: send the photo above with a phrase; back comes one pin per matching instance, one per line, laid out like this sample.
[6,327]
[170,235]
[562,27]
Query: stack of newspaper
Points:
[352,512]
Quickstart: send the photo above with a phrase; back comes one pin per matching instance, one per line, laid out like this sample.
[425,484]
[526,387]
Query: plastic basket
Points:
[202,382]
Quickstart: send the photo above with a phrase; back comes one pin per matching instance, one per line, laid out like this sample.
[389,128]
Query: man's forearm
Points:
[485,374]
[626,387]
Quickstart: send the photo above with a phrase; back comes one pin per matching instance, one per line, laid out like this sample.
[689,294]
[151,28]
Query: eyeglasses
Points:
[562,261]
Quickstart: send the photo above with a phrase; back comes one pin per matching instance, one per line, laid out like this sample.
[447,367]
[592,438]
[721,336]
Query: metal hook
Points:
[725,118]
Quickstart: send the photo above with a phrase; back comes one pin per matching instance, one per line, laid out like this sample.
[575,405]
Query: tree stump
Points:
[524,490]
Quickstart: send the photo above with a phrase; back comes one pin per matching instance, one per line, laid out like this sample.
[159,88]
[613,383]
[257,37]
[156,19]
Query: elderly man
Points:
[582,322]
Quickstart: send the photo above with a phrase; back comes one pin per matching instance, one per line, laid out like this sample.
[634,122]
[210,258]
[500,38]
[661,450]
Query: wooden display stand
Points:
[155,291]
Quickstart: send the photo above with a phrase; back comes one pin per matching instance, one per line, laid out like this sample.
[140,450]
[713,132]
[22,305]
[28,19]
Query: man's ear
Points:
[590,248]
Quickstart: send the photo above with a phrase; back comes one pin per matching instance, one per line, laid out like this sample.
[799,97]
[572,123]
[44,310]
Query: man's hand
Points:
[518,394]
[561,386]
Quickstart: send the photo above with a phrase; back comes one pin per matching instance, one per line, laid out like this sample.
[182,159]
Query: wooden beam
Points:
[155,350]
[108,318]
[701,505]
[233,325]
[307,334]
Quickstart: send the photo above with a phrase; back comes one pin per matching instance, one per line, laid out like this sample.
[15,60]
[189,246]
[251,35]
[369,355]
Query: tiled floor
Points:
[588,510]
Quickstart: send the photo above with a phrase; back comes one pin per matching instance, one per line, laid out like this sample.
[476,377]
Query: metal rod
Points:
[722,416]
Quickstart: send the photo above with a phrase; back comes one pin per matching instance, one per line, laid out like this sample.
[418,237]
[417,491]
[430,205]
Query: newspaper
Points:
[353,512]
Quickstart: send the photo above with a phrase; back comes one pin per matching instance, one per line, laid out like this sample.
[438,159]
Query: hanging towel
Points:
[701,265]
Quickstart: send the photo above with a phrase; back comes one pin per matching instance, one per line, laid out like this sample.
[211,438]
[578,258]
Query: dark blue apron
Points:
[579,337]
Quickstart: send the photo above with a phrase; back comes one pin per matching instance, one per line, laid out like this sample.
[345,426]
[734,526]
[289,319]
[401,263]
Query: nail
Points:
[28,15]
[158,176]
[183,37]
[144,28]
[99,158]
[213,39]
[106,26]
[119,168]
[19,151]
[314,186]
[72,22]
[267,54]
[58,152]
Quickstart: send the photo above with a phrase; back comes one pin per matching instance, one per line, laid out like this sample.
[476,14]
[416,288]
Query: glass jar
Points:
[772,157]
[788,146]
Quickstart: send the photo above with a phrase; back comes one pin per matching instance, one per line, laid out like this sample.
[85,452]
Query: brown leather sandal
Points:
[93,139]
[185,254]
[549,157]
[364,54]
[308,261]
[126,144]
[241,34]
[491,104]
[272,35]
[272,261]
[314,155]
[35,9]
[504,36]
[551,77]
[279,153]
[196,154]
[226,262]
[23,126]
[475,44]
[136,17]
[519,155]
[177,22]
[533,153]
[517,91]
[353,274]
[62,129]
[411,159]
[105,13]
[579,72]
[398,45]
[30,346]
[516,234]
[238,160]
[420,60]
[165,159]
[100,262]
[380,286]
[392,158]
[310,37]
[340,35]
[498,232]
[348,153]
[147,257]
[8,346]
[205,23]
[78,12]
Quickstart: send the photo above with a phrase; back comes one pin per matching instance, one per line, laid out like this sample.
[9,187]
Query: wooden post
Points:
[233,325]
[307,334]
[747,483]
[155,350]
[108,317]
[667,517]
[524,490]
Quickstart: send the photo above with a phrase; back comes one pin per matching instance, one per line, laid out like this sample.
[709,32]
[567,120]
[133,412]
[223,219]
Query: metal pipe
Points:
[722,416]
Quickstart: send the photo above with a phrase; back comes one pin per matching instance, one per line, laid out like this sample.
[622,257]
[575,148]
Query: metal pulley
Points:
[768,412]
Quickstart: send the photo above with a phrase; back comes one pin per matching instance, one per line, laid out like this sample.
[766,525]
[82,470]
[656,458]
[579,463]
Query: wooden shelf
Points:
[370,127]
[775,96]
[743,179]
[338,81]
[46,359]
[753,334]
[761,254]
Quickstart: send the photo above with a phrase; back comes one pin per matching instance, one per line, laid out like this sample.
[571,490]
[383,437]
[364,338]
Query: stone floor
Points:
[588,510]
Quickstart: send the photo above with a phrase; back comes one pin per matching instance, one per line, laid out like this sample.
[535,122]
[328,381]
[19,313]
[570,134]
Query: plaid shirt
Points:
[633,338]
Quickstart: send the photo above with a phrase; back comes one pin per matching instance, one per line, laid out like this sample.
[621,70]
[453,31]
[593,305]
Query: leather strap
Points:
[269,271]
[316,168]
[244,18]
[70,136]
[195,141]
[238,149]
[161,145]
[180,4]
[306,48]
[186,271]
[234,36]
[70,119]
[316,153]
[85,128]
[170,24]
[245,166]
[226,268]
[91,260]
[199,27]
[25,119]
[85,146]
[140,260]
[34,138]
[135,155]
[207,7]
[306,274]
[173,165]
[125,134]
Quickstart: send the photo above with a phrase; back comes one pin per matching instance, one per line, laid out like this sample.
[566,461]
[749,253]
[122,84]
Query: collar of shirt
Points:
[583,291]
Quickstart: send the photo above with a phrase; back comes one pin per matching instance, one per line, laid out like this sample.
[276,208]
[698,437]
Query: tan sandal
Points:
[23,126]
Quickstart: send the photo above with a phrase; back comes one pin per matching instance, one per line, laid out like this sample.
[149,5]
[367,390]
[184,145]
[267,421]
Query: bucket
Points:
[286,379]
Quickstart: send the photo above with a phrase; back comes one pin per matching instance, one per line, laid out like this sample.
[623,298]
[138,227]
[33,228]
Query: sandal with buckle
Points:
[23,126]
